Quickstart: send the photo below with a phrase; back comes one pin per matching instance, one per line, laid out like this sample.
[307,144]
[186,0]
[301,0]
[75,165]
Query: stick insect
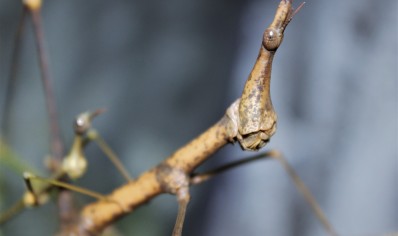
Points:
[250,121]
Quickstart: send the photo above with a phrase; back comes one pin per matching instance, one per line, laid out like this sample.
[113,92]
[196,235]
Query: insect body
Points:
[256,118]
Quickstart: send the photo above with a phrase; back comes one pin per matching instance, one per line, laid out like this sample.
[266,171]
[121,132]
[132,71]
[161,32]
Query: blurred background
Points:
[167,70]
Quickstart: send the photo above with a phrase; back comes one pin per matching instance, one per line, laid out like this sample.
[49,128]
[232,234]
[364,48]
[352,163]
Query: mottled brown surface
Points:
[166,177]
[96,216]
[199,149]
[171,179]
[257,119]
[251,120]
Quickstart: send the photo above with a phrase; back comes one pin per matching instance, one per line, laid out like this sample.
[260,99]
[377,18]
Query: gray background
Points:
[167,70]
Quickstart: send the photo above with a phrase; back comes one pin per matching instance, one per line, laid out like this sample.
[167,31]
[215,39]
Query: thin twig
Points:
[11,212]
[57,148]
[65,204]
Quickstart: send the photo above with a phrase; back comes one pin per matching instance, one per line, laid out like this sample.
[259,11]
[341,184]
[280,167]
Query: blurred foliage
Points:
[12,161]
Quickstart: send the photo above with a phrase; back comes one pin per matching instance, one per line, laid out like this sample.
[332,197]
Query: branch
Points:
[34,7]
[66,206]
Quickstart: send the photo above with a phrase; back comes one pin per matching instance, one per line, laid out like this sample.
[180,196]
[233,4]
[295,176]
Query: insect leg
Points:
[197,178]
[183,200]
[303,189]
[94,135]
[28,177]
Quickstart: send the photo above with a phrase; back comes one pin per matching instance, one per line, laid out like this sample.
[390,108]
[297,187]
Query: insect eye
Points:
[272,39]
[82,123]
